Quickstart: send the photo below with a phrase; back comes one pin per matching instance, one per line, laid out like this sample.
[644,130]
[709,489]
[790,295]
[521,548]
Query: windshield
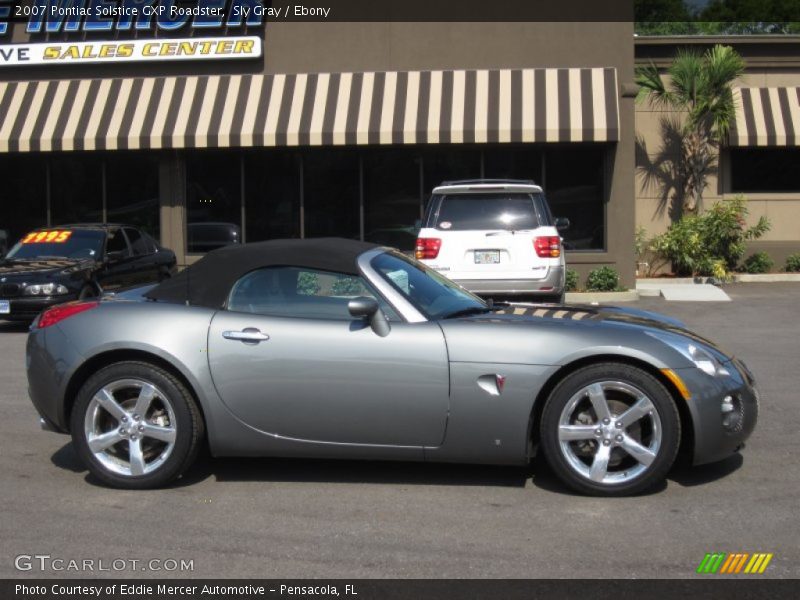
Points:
[461,212]
[63,243]
[432,294]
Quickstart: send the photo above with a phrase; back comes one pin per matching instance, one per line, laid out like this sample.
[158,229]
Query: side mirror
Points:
[562,224]
[368,309]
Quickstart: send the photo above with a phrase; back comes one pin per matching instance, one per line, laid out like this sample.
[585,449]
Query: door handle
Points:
[248,335]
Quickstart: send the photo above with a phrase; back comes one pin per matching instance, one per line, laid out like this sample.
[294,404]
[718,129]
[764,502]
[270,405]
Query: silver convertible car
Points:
[343,349]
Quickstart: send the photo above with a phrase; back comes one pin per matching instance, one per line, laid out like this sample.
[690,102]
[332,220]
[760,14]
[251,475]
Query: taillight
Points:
[548,246]
[64,311]
[427,247]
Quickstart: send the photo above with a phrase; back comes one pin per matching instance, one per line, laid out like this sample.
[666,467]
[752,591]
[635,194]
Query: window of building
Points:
[132,190]
[765,169]
[449,163]
[272,195]
[391,197]
[573,181]
[213,200]
[331,193]
[76,189]
[513,162]
[23,197]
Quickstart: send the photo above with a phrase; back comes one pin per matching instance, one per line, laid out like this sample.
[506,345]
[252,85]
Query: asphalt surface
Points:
[300,518]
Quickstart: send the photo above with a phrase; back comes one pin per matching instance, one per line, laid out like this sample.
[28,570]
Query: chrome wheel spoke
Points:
[597,397]
[162,434]
[106,399]
[600,463]
[644,455]
[136,457]
[104,441]
[569,433]
[641,409]
[146,395]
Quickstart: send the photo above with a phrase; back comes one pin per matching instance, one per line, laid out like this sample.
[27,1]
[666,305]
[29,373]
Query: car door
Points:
[116,272]
[144,266]
[288,359]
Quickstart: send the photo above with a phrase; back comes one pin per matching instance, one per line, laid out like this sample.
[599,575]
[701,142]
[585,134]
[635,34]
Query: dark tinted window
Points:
[213,200]
[132,190]
[138,242]
[116,242]
[78,243]
[298,292]
[272,195]
[23,197]
[331,189]
[765,169]
[76,189]
[574,186]
[459,212]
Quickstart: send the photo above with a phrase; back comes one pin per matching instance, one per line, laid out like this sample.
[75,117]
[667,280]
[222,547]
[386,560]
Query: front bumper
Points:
[718,434]
[27,308]
[551,284]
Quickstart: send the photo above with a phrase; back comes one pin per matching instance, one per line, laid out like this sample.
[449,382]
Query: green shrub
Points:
[760,262]
[571,280]
[347,286]
[793,263]
[308,284]
[711,243]
[603,279]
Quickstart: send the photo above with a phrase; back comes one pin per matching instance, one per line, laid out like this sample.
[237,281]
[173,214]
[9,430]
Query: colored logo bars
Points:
[734,563]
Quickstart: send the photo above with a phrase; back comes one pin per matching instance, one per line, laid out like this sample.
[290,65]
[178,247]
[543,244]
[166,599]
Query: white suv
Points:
[494,237]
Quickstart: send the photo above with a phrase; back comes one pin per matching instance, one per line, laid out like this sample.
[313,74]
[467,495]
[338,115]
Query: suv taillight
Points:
[60,312]
[427,247]
[548,246]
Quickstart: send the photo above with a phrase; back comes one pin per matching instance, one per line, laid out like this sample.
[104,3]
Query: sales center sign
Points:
[83,19]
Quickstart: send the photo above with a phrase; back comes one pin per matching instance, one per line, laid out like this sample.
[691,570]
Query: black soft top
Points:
[209,281]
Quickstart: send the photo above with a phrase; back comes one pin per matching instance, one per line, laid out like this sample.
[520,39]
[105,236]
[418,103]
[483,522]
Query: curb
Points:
[766,277]
[601,297]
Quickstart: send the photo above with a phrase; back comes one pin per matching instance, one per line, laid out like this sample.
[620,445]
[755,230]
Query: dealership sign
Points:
[84,20]
[148,50]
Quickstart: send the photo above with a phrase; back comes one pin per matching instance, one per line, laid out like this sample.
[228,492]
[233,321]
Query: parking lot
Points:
[300,518]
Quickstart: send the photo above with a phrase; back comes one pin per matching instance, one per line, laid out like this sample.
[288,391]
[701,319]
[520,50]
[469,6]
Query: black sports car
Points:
[54,265]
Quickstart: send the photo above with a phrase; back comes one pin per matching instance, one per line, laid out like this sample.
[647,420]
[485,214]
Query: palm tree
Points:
[700,87]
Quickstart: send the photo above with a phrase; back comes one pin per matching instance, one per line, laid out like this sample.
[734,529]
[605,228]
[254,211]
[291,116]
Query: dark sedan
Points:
[70,262]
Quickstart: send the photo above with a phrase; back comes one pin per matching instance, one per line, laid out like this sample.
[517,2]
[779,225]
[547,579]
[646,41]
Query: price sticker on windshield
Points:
[47,237]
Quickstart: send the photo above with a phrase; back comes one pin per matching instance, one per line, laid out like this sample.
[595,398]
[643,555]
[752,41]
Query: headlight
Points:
[701,358]
[45,289]
[705,362]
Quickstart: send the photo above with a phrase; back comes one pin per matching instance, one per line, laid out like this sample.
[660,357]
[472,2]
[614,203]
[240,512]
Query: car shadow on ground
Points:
[297,470]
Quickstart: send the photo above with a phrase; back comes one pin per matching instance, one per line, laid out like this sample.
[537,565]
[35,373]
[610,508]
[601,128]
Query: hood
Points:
[11,268]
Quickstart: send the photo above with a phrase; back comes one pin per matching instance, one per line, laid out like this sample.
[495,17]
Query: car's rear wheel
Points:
[136,426]
[610,429]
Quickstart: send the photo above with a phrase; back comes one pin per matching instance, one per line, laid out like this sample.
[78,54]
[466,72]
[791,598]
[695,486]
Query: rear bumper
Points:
[551,284]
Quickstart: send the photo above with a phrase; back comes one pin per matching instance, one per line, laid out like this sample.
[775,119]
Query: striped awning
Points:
[415,107]
[766,116]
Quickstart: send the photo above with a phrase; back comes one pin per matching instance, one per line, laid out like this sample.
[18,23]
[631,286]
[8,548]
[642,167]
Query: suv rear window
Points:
[462,212]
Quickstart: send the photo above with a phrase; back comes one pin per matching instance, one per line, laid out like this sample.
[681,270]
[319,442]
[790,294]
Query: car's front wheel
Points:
[135,426]
[610,429]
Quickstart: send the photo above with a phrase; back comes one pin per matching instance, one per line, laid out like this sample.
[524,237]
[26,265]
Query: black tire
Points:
[188,425]
[607,373]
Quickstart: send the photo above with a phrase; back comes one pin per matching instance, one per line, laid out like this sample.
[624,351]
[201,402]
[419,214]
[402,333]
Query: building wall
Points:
[771,61]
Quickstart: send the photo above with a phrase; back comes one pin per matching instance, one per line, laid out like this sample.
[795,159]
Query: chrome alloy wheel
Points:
[130,427]
[610,432]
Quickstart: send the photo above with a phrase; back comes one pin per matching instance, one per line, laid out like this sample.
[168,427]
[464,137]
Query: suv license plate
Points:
[487,257]
[5,307]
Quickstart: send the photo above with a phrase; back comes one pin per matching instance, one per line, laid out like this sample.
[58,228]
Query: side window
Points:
[138,242]
[116,242]
[300,292]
